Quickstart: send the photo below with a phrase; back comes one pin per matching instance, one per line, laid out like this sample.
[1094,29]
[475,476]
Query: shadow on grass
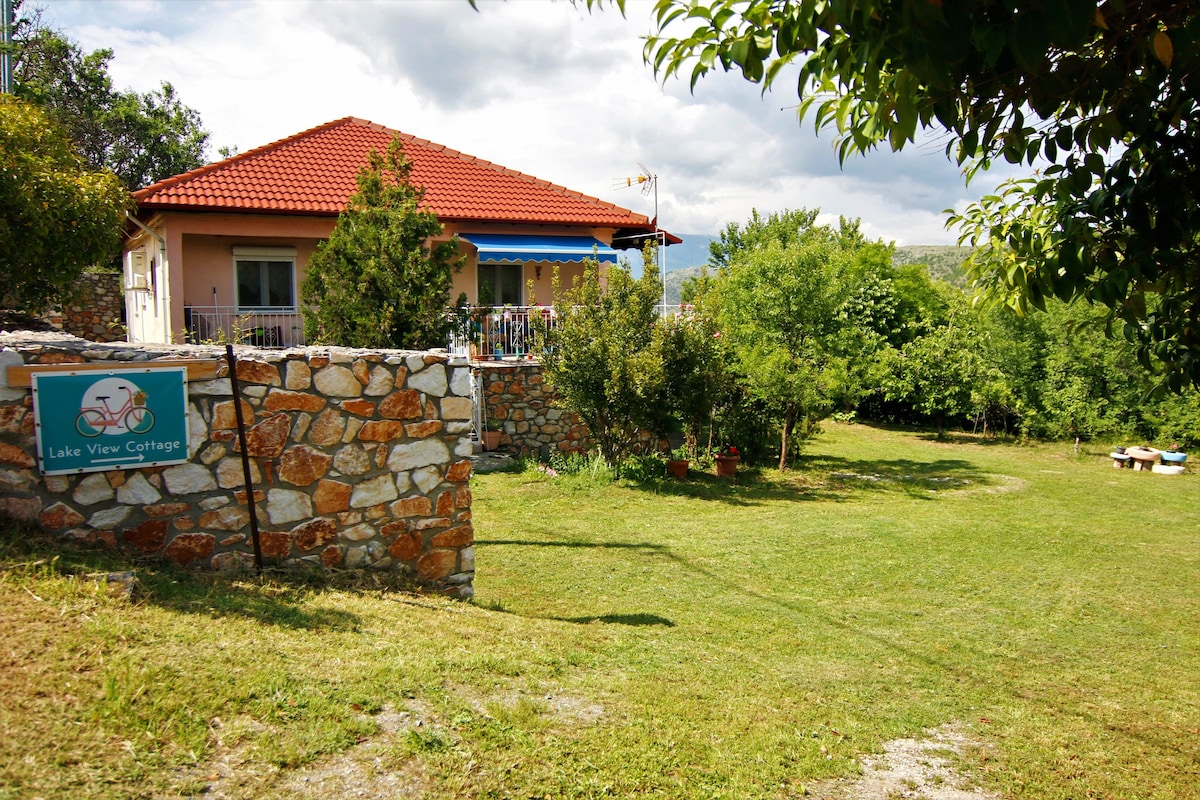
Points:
[621,619]
[962,437]
[279,597]
[954,436]
[827,478]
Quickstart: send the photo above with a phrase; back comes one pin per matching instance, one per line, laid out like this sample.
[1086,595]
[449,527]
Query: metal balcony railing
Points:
[495,332]
[485,333]
[260,327]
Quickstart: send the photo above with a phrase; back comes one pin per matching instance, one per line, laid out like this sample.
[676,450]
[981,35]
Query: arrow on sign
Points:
[139,457]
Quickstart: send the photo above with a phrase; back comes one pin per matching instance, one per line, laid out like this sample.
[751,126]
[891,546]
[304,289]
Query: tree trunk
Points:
[789,424]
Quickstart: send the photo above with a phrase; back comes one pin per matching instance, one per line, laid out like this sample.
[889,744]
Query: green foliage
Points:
[142,138]
[784,228]
[59,217]
[376,281]
[1103,93]
[642,469]
[694,365]
[902,347]
[784,300]
[937,371]
[153,136]
[601,357]
[752,426]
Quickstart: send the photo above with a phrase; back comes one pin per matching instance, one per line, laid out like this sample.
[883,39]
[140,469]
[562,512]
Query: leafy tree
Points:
[1103,93]
[780,300]
[1091,386]
[143,138]
[59,217]
[784,228]
[377,281]
[601,356]
[938,372]
[693,363]
[1005,396]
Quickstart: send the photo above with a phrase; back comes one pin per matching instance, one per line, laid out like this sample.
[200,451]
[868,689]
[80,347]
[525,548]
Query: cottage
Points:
[221,251]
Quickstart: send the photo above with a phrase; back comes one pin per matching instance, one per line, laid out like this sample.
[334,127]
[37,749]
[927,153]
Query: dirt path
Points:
[909,769]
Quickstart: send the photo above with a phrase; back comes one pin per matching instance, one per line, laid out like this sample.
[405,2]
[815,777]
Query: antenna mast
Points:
[648,181]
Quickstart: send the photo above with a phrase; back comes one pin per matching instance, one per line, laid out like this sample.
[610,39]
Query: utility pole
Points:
[6,67]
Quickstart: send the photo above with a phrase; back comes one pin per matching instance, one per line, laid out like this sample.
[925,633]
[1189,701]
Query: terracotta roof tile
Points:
[313,172]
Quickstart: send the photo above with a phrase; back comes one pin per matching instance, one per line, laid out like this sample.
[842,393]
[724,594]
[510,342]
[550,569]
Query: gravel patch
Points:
[910,769]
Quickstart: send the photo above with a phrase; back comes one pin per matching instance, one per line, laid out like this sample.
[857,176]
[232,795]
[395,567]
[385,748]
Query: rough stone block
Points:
[436,565]
[189,479]
[332,496]
[149,537]
[314,533]
[337,381]
[285,506]
[381,489]
[60,515]
[359,407]
[279,400]
[402,404]
[267,438]
[249,371]
[302,465]
[188,547]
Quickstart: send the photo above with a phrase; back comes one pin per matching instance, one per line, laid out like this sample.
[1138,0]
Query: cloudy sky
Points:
[536,85]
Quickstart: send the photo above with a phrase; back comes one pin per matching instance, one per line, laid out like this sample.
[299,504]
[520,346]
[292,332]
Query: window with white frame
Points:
[265,277]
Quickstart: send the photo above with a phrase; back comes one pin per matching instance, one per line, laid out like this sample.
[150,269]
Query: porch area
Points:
[261,328]
[497,333]
[480,333]
[484,333]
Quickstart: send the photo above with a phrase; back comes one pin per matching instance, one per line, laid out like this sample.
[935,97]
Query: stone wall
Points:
[516,396]
[99,314]
[359,460]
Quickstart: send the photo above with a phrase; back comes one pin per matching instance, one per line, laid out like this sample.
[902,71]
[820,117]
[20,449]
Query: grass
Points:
[685,640]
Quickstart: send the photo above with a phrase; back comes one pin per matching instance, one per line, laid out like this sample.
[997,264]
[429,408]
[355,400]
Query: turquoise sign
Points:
[91,421]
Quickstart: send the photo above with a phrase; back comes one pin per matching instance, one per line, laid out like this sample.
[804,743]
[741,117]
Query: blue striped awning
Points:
[555,249]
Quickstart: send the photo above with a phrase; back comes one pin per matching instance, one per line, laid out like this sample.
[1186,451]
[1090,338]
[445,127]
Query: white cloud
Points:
[538,86]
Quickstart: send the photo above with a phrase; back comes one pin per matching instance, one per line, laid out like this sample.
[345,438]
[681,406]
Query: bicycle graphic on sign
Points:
[97,414]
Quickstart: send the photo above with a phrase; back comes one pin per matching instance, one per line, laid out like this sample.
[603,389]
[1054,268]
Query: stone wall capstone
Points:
[359,460]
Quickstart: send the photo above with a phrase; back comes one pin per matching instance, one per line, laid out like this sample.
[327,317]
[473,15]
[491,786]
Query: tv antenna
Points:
[647,181]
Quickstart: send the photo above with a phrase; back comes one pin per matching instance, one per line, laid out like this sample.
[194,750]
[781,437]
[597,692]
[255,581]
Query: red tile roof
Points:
[313,173]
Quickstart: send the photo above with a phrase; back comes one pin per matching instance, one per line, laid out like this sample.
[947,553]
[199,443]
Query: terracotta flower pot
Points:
[677,468]
[491,440]
[727,466]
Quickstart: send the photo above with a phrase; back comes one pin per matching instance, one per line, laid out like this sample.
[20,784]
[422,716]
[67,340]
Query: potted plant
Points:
[727,461]
[491,434]
[677,462]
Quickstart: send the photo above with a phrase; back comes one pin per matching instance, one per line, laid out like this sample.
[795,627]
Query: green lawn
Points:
[677,640]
